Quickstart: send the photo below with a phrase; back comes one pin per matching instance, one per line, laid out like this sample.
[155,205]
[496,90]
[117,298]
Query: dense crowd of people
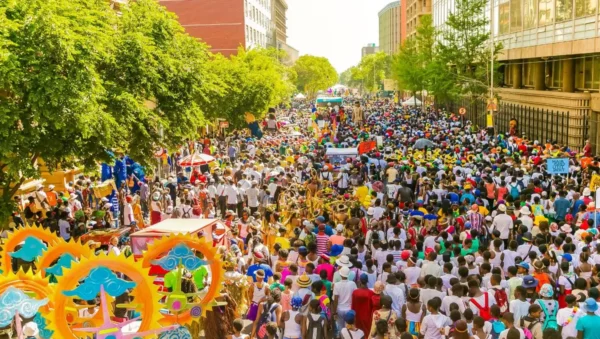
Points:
[433,229]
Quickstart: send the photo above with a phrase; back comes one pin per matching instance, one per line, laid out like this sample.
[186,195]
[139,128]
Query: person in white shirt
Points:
[128,216]
[430,291]
[64,227]
[480,299]
[503,223]
[454,298]
[431,267]
[342,296]
[525,218]
[395,292]
[567,317]
[231,192]
[252,194]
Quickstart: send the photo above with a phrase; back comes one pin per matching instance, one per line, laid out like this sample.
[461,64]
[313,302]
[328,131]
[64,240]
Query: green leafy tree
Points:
[252,81]
[414,64]
[314,74]
[465,48]
[346,77]
[373,68]
[76,79]
[154,60]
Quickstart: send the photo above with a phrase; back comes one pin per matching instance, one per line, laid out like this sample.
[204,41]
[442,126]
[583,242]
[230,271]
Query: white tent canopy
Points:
[339,86]
[412,101]
[300,96]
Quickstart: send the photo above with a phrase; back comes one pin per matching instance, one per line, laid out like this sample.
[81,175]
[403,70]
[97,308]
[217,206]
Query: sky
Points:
[335,29]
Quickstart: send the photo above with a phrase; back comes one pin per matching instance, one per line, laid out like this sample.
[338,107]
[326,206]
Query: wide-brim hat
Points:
[343,261]
[303,281]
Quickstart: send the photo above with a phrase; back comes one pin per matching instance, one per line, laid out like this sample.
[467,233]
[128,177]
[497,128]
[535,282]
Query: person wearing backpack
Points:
[531,325]
[314,325]
[481,302]
[514,189]
[499,293]
[549,307]
[268,311]
[498,325]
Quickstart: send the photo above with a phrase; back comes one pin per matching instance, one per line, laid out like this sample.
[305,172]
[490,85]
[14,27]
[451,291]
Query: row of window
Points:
[516,15]
[253,36]
[256,14]
[587,73]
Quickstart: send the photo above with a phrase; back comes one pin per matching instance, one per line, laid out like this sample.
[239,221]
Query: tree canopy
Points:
[369,73]
[79,81]
[314,74]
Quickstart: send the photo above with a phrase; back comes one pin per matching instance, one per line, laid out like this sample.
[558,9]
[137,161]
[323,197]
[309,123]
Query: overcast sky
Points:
[335,29]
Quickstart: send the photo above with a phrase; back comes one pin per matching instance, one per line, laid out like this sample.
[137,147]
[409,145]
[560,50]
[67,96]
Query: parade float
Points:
[71,290]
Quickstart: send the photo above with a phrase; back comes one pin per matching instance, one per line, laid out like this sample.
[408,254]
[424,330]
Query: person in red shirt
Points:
[523,148]
[361,304]
[587,149]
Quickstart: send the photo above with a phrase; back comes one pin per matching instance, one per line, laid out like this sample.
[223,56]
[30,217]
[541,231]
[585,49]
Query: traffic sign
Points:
[462,111]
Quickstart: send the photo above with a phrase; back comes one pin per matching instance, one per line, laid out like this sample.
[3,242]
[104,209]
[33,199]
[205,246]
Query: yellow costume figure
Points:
[138,215]
[362,193]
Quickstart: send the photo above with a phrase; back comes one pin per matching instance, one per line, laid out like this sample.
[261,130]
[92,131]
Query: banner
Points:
[557,166]
[366,146]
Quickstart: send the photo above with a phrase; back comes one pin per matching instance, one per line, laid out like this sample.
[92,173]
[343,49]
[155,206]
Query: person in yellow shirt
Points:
[281,239]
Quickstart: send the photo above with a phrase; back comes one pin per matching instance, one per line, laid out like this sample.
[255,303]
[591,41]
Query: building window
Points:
[508,78]
[503,26]
[545,12]
[516,20]
[564,10]
[585,7]
[247,32]
[529,13]
[556,76]
[527,74]
[587,73]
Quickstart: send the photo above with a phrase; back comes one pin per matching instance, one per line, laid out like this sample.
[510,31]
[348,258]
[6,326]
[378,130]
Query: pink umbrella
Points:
[196,159]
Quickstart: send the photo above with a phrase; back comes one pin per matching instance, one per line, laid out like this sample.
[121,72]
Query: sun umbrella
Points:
[423,143]
[196,159]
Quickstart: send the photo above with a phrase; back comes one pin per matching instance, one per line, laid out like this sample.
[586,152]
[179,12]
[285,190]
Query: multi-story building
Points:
[225,25]
[441,11]
[551,59]
[279,21]
[369,49]
[414,9]
[389,28]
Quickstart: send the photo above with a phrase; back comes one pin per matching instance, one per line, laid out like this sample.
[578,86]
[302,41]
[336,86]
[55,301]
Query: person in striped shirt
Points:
[322,239]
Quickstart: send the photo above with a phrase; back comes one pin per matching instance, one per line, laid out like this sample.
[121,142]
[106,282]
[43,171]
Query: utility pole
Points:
[491,103]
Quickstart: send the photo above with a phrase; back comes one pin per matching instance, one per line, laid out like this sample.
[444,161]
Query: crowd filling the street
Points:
[364,219]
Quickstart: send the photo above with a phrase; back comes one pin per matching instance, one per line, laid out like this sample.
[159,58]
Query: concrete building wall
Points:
[389,28]
[219,23]
[414,10]
[279,20]
[258,23]
[369,49]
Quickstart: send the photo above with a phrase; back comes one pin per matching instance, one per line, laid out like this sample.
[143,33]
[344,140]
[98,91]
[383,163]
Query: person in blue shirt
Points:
[320,221]
[577,203]
[561,206]
[588,326]
[259,265]
[467,195]
[453,197]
